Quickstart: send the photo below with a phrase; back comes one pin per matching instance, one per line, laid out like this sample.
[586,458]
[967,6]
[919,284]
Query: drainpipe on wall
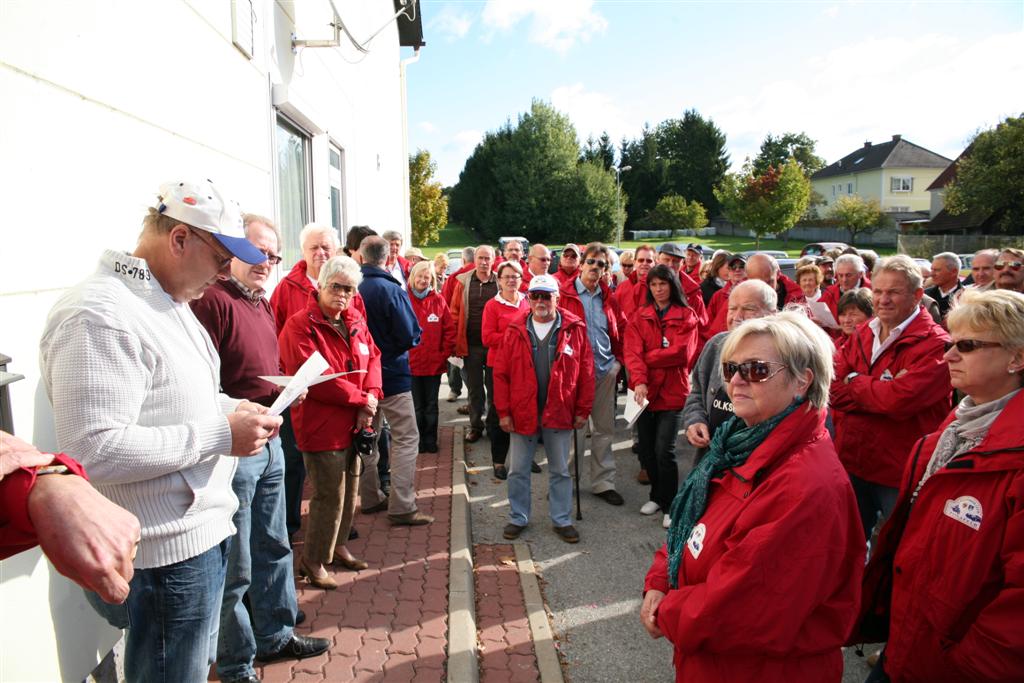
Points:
[407,227]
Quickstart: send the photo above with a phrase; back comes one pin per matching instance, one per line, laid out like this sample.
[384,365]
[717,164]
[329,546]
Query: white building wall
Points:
[104,100]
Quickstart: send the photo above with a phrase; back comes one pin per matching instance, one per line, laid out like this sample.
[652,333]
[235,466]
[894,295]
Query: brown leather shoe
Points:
[473,435]
[379,507]
[415,518]
[352,563]
[463,410]
[323,581]
[642,478]
[568,533]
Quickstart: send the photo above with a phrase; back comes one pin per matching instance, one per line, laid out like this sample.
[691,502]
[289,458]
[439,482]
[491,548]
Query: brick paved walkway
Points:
[506,644]
[388,622]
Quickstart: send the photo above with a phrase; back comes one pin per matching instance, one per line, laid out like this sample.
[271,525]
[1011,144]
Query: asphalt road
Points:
[593,588]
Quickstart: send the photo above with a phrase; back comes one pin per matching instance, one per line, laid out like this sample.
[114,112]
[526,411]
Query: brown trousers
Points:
[334,476]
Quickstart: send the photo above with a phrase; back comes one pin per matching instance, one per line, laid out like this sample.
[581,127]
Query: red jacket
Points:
[569,300]
[570,388]
[770,579]
[877,418]
[631,294]
[693,274]
[292,295]
[437,339]
[948,573]
[791,290]
[563,277]
[498,314]
[17,532]
[325,420]
[717,314]
[665,370]
[448,288]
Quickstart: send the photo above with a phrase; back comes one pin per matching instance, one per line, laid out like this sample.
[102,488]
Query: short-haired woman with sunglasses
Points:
[333,411]
[760,577]
[945,587]
[659,349]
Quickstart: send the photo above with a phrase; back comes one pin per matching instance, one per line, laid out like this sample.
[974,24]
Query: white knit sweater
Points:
[134,382]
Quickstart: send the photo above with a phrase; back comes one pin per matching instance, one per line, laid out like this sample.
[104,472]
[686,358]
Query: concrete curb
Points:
[543,641]
[462,646]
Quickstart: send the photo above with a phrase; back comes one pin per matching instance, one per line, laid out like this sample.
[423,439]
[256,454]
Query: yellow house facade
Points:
[896,174]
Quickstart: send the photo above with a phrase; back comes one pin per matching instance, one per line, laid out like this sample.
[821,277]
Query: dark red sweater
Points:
[245,336]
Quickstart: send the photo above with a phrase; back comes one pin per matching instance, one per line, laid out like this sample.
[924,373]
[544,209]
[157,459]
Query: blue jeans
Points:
[171,615]
[260,562]
[520,457]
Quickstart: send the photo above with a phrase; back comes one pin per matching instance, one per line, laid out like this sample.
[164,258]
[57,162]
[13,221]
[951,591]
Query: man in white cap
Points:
[134,382]
[543,385]
[568,263]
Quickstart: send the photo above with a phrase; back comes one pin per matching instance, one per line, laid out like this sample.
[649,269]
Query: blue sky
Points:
[843,72]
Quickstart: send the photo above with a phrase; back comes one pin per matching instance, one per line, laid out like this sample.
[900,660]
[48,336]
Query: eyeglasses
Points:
[644,260]
[1012,265]
[336,288]
[600,263]
[969,345]
[752,370]
[738,266]
[540,296]
[511,278]
[545,259]
[272,258]
[222,261]
[569,254]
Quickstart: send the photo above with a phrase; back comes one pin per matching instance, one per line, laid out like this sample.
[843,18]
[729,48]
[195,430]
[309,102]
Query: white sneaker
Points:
[452,397]
[666,521]
[649,508]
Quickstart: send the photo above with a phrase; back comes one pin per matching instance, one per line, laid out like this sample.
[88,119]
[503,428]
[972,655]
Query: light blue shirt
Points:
[597,328]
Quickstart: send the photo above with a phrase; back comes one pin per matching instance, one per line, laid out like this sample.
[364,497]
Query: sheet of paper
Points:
[820,312]
[633,409]
[456,361]
[282,380]
[307,374]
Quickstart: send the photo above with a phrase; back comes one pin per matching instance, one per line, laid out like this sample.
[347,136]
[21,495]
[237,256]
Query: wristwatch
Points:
[846,380]
[52,469]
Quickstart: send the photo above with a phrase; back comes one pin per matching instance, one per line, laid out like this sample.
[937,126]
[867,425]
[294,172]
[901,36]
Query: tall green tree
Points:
[775,151]
[858,215]
[647,181]
[770,202]
[990,177]
[427,204]
[527,179]
[698,161]
[599,150]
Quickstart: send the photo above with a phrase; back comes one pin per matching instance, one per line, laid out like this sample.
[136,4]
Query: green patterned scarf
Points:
[730,447]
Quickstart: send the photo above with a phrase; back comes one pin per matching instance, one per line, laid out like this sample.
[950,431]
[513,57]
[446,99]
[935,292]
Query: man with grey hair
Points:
[241,326]
[395,330]
[396,265]
[850,274]
[473,289]
[135,385]
[983,270]
[707,405]
[891,388]
[945,281]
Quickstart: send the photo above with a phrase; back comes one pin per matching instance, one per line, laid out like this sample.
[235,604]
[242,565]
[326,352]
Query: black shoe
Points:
[535,468]
[243,679]
[611,496]
[300,617]
[500,472]
[299,647]
[379,507]
[568,533]
[512,531]
[353,534]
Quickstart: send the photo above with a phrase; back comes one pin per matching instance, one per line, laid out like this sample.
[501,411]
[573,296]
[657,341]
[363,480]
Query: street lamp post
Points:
[618,200]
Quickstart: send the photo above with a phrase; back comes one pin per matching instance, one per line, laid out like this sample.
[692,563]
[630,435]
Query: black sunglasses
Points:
[272,259]
[752,370]
[540,296]
[600,263]
[969,345]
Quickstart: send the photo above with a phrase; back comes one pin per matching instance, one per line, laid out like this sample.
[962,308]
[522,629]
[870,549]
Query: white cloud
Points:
[593,113]
[831,12]
[427,127]
[934,90]
[556,24]
[450,24]
[452,155]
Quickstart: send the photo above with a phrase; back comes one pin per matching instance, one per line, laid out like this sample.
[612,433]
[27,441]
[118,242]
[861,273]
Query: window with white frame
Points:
[849,188]
[334,178]
[293,184]
[901,183]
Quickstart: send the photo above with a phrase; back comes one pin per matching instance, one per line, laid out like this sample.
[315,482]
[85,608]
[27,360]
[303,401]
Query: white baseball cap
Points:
[201,205]
[543,283]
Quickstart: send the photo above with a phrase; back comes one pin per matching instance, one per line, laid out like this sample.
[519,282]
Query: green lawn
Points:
[455,237]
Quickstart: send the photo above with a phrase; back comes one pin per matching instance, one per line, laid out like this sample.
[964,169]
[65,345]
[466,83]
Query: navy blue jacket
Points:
[393,326]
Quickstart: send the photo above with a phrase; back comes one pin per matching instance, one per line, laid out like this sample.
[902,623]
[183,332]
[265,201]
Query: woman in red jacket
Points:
[946,585]
[429,359]
[760,578]
[332,412]
[509,305]
[661,338]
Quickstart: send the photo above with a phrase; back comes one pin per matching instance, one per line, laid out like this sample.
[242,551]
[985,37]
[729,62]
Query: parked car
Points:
[776,254]
[502,241]
[556,254]
[788,267]
[819,248]
[454,264]
[966,261]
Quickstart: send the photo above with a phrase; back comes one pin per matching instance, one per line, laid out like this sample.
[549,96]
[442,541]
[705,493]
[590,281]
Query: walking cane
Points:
[576,472]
